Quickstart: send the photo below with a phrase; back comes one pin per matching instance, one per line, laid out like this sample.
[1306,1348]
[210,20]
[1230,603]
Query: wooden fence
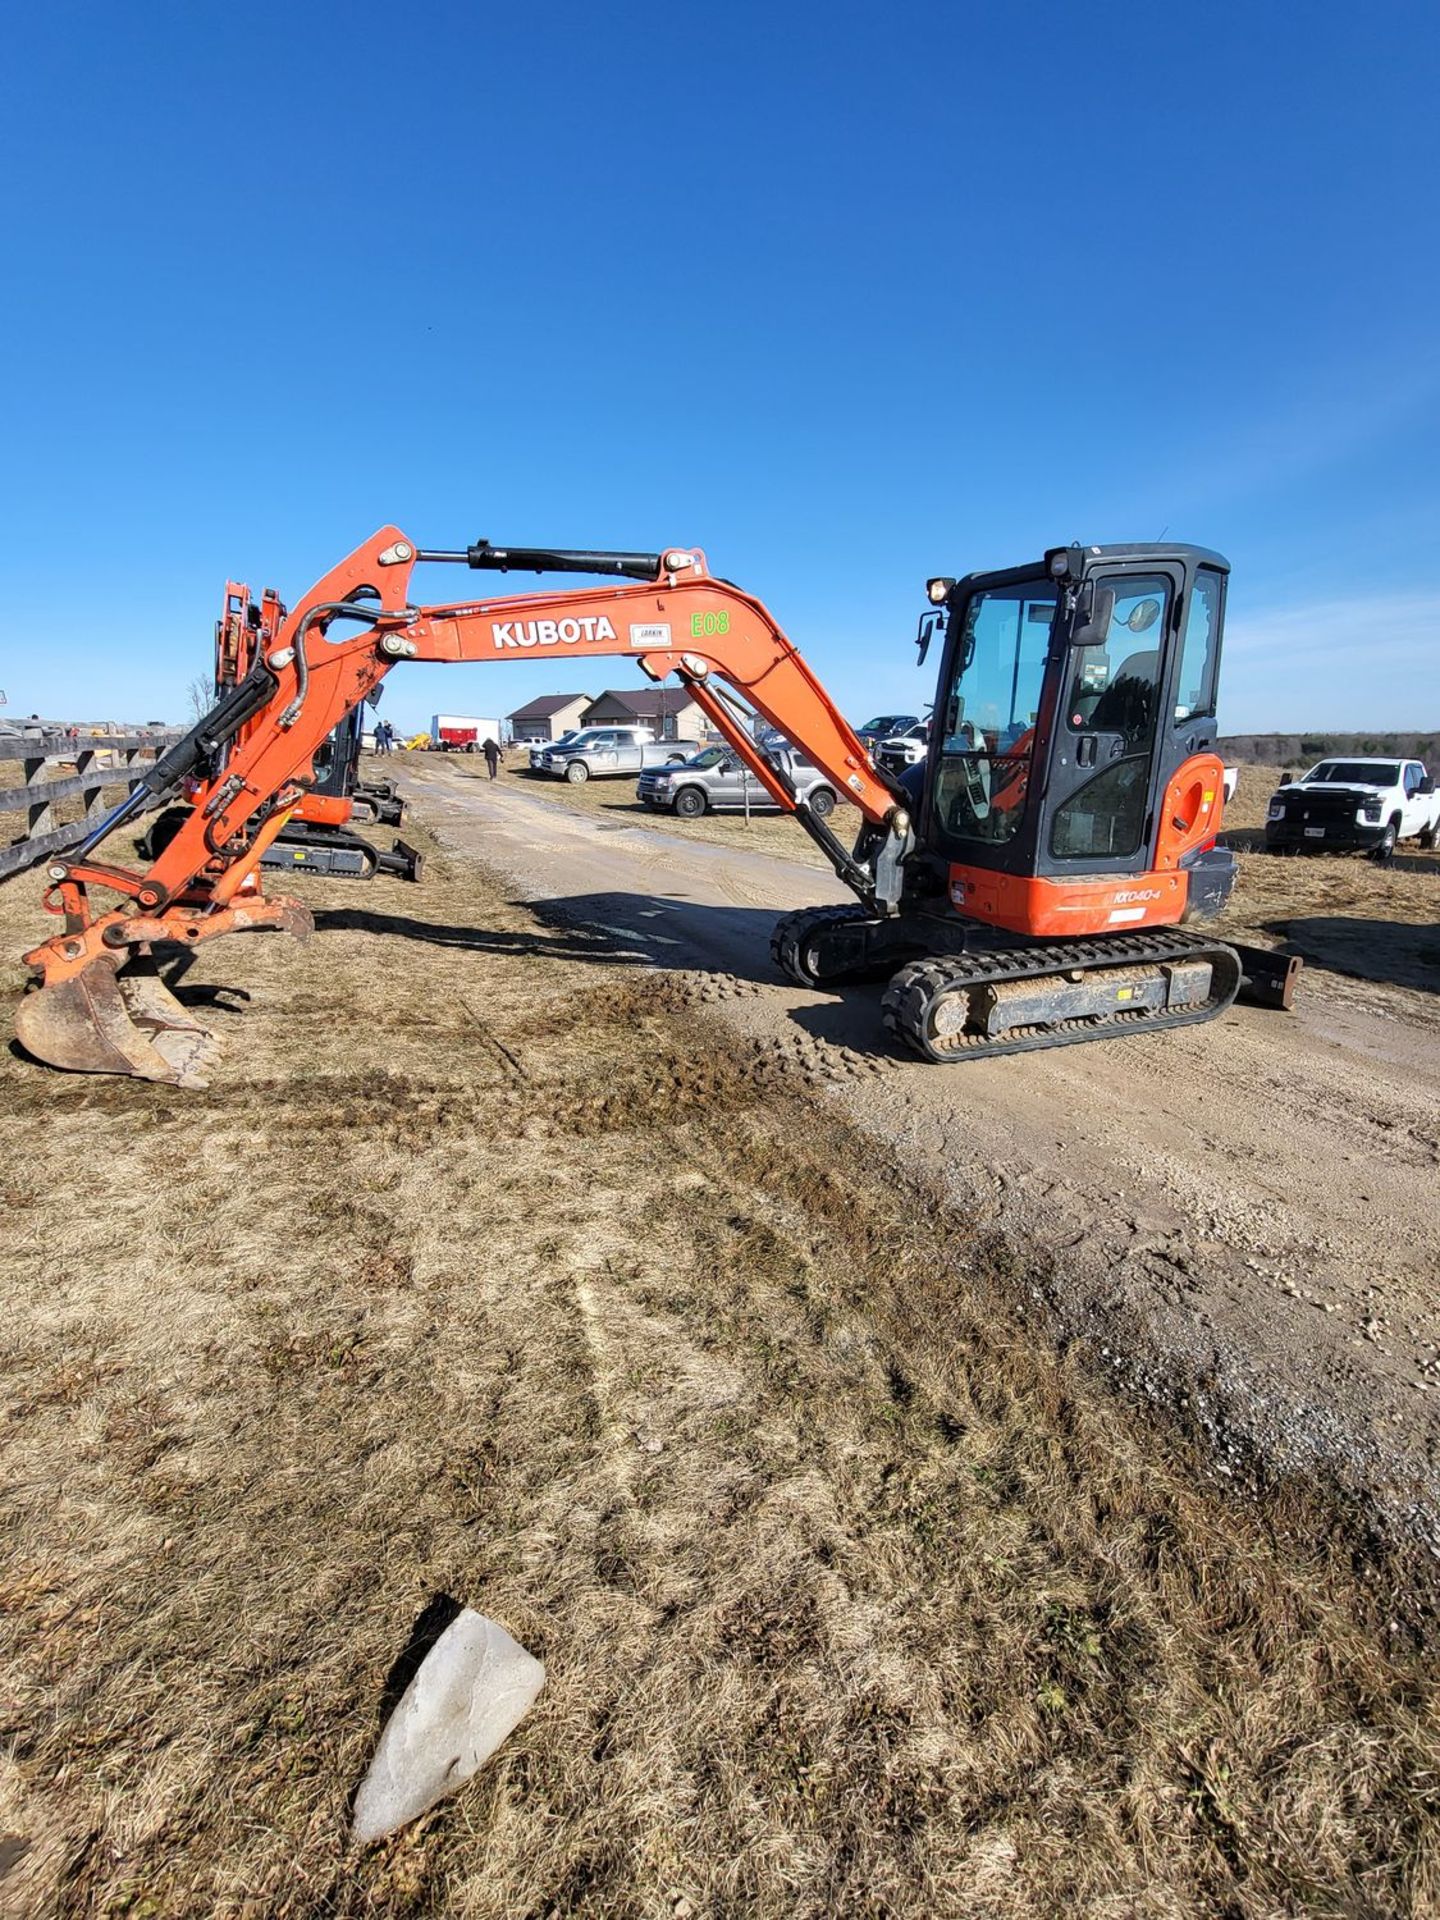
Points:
[102,761]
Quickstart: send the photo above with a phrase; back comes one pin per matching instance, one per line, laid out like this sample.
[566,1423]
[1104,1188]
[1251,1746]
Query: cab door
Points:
[1414,815]
[1186,773]
[727,783]
[1099,812]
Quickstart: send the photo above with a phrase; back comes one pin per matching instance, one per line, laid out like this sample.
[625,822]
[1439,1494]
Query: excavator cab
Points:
[1065,818]
[1074,741]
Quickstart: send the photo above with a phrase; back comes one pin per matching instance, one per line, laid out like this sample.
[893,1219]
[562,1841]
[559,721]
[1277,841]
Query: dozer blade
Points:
[109,1020]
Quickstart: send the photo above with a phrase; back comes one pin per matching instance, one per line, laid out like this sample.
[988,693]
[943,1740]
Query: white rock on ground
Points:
[471,1691]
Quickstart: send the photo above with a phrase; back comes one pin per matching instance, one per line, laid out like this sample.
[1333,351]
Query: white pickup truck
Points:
[1345,804]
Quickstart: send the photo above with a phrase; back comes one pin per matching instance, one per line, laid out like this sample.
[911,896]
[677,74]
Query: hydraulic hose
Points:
[206,737]
[220,725]
[326,610]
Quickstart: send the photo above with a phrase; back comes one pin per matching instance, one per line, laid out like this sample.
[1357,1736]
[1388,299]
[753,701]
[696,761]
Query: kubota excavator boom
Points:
[102,1008]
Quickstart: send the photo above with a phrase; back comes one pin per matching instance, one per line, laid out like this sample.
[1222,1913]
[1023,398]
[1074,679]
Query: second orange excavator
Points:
[322,834]
[1037,883]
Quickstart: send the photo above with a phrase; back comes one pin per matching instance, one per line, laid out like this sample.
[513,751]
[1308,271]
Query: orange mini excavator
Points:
[1031,886]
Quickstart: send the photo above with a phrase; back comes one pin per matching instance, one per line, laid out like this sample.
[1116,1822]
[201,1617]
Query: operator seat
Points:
[1127,706]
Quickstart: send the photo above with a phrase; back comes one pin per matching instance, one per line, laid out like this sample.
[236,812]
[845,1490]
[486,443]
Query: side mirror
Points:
[932,627]
[1286,778]
[726,766]
[1093,615]
[1426,786]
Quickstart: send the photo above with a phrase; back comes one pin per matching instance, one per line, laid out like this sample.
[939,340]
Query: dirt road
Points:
[1240,1220]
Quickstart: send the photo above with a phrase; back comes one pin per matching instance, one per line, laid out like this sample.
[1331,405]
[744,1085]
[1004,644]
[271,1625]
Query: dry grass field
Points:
[1339,911]
[485,1271]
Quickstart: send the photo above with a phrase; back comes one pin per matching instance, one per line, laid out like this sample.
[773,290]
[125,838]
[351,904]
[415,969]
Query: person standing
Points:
[492,757]
[383,735]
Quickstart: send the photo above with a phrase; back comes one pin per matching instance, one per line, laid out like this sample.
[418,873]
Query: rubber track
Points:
[792,933]
[304,833]
[915,988]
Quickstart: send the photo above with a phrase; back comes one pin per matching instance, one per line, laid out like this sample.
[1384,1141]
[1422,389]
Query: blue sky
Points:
[846,295]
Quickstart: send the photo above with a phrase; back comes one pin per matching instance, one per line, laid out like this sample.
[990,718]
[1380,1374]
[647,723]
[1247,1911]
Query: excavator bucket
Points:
[117,1016]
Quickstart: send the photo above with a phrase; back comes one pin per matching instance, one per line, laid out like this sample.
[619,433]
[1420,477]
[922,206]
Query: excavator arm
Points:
[101,1006]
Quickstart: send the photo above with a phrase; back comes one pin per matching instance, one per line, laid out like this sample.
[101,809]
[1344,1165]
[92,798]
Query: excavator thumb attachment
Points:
[117,1016]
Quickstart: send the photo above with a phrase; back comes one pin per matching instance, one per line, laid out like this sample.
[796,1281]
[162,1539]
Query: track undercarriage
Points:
[310,847]
[952,996]
[323,849]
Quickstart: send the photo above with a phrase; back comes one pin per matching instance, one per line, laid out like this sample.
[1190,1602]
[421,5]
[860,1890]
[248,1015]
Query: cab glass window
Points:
[1114,688]
[985,730]
[1106,818]
[1115,693]
[1199,650]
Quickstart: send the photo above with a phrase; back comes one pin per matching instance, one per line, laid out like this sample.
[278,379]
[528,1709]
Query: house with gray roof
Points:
[668,710]
[549,717]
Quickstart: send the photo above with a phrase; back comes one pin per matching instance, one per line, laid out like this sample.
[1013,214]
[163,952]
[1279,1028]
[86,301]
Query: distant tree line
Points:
[1304,749]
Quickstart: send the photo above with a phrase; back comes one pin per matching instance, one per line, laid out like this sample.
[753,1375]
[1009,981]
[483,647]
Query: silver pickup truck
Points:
[598,753]
[716,779]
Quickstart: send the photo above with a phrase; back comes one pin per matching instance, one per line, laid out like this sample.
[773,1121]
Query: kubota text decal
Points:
[550,633]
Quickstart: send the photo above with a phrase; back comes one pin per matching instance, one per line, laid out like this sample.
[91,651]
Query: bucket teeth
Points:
[105,1020]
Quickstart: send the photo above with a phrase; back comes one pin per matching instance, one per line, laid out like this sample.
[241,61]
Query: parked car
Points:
[885,726]
[542,747]
[1346,805]
[898,751]
[598,753]
[716,781]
